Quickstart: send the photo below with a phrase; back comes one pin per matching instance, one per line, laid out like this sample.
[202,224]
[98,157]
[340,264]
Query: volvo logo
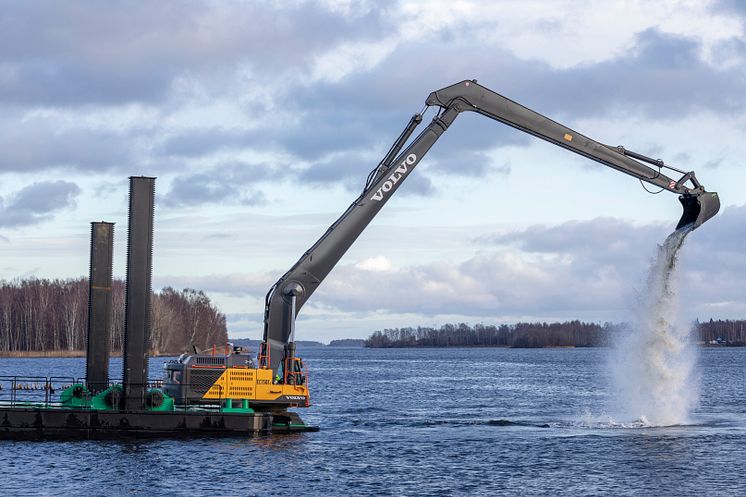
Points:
[398,173]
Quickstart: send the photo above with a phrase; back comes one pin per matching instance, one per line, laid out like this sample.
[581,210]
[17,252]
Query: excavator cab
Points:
[698,208]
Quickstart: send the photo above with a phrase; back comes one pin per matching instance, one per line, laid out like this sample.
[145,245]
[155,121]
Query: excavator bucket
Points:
[698,208]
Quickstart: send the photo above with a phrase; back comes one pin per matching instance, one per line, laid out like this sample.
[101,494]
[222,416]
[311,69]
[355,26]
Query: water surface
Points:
[423,422]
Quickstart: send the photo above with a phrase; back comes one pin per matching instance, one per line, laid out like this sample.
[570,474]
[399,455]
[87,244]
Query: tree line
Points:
[567,334]
[43,315]
[727,332]
[536,335]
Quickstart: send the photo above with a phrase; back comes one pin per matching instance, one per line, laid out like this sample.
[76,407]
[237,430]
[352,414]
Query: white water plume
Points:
[653,361]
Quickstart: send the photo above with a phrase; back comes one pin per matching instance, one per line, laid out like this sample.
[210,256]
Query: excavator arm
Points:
[699,205]
[288,295]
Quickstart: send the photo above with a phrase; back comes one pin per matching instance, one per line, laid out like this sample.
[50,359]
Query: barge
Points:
[202,394]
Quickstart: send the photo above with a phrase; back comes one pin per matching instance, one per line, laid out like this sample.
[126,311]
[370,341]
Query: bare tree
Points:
[52,315]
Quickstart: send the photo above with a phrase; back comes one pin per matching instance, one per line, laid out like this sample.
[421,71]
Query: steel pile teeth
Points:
[137,321]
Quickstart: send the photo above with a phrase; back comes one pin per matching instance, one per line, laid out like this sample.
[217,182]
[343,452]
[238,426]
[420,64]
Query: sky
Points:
[261,121]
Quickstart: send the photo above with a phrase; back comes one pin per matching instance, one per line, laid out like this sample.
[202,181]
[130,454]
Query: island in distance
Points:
[344,342]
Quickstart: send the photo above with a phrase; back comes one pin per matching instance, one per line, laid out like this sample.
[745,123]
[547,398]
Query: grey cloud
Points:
[199,188]
[352,169]
[681,157]
[417,184]
[236,285]
[498,283]
[731,51]
[473,164]
[599,240]
[76,53]
[730,6]
[662,76]
[462,149]
[34,145]
[217,236]
[123,52]
[37,202]
[714,267]
[198,142]
[723,237]
[56,83]
[226,183]
[323,131]
[348,168]
[578,270]
[593,276]
[240,182]
[313,139]
[328,128]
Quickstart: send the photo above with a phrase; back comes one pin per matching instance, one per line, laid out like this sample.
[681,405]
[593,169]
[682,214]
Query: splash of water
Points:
[653,362]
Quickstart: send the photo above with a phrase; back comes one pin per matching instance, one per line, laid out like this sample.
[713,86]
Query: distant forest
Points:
[537,335]
[347,342]
[51,315]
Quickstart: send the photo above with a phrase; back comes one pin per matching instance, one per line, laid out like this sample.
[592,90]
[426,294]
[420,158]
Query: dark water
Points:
[423,422]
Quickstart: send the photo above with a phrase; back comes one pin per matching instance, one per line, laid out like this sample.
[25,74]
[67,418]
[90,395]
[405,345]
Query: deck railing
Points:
[44,392]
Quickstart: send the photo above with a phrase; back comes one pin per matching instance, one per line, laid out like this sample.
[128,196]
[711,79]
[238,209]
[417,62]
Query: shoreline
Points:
[35,354]
[32,354]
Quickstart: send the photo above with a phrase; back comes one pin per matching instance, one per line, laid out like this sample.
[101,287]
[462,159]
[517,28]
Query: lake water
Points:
[423,422]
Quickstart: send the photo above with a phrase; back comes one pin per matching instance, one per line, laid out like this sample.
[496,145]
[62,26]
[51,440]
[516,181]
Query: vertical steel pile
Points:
[137,318]
[98,338]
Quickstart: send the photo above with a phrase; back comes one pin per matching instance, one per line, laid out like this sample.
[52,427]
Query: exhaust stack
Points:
[98,338]
[137,310]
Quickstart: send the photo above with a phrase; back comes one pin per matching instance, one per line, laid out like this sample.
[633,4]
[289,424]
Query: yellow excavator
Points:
[278,380]
[230,377]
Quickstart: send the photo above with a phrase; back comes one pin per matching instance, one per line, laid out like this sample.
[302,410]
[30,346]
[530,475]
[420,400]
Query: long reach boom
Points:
[286,297]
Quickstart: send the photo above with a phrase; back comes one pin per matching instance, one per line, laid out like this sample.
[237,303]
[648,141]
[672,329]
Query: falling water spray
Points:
[653,361]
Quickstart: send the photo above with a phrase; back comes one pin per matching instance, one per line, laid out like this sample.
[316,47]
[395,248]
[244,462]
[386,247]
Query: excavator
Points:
[279,380]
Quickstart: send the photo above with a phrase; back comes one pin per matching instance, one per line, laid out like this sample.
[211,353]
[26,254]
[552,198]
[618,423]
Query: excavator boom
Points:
[286,297]
[699,206]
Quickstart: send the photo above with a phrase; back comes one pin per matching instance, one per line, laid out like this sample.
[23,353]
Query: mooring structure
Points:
[98,336]
[137,307]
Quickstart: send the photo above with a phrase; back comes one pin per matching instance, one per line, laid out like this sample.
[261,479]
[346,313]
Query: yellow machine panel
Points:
[256,385]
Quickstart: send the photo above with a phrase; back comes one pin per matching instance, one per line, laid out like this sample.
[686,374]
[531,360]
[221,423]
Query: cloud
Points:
[713,265]
[37,202]
[272,64]
[38,144]
[199,142]
[235,284]
[229,101]
[217,236]
[588,270]
[730,6]
[582,269]
[498,283]
[76,53]
[598,241]
[661,76]
[211,188]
